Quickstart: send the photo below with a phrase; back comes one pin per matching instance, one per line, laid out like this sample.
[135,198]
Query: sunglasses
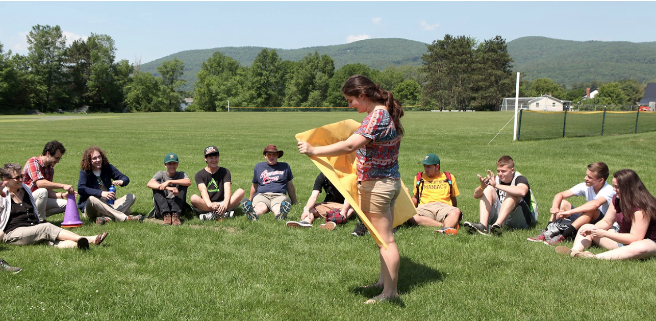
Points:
[18,178]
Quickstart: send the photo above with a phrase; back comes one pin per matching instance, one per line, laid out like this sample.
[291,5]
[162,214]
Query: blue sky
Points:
[150,30]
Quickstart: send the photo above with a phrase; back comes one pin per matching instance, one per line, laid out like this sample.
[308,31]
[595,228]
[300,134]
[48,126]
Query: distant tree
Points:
[448,66]
[389,78]
[633,90]
[220,79]
[266,86]
[308,84]
[408,93]
[492,78]
[106,77]
[611,93]
[545,86]
[335,97]
[78,70]
[46,46]
[171,72]
[143,92]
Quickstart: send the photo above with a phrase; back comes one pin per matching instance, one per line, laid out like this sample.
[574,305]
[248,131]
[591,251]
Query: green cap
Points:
[431,159]
[170,157]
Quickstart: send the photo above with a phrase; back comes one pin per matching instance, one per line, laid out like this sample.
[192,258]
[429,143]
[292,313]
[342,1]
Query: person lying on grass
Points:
[334,208]
[566,219]
[97,175]
[505,199]
[634,210]
[19,217]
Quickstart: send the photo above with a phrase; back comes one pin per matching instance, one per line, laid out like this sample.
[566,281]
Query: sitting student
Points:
[96,177]
[331,208]
[271,183]
[634,210]
[505,199]
[435,197]
[19,217]
[169,200]
[216,199]
[38,174]
[598,195]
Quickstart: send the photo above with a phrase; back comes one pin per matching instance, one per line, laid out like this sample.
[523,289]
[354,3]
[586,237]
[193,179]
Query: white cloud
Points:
[350,39]
[424,25]
[377,20]
[70,37]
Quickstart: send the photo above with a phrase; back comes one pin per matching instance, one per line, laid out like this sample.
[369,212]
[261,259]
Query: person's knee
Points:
[260,208]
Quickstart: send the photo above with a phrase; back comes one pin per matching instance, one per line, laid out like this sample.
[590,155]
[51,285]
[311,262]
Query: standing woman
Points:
[634,209]
[377,143]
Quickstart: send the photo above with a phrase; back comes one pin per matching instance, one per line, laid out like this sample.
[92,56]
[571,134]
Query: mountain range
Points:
[564,61]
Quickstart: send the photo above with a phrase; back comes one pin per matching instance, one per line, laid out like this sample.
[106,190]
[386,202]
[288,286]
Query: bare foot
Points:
[381,298]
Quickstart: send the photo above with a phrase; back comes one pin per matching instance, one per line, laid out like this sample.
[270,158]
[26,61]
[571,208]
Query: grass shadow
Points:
[411,276]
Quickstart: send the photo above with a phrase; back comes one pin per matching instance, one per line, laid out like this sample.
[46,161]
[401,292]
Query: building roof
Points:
[549,97]
[650,94]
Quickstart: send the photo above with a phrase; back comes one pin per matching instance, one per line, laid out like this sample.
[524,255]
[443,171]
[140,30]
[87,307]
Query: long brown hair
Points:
[634,195]
[85,164]
[358,84]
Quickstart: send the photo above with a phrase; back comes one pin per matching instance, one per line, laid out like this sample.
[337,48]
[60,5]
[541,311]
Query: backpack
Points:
[420,183]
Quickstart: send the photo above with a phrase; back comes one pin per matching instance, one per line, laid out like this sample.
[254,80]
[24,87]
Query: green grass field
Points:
[237,269]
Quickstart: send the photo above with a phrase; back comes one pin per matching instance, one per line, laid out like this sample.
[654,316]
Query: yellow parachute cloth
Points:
[341,171]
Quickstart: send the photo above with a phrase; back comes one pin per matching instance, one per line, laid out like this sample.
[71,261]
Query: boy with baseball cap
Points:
[169,198]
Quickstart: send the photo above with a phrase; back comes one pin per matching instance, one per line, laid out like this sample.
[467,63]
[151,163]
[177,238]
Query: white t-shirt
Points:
[606,192]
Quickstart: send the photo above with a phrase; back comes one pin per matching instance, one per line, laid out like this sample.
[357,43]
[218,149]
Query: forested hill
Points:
[564,61]
[375,53]
[568,62]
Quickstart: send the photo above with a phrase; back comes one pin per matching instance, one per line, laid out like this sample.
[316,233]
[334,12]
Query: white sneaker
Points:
[229,214]
[303,224]
[205,217]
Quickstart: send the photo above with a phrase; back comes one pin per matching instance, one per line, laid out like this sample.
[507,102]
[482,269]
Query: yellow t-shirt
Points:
[437,189]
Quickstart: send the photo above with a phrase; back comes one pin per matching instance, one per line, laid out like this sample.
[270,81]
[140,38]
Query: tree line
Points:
[457,73]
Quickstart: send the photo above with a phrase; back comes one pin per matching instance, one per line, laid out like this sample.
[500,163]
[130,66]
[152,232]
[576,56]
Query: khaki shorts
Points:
[435,210]
[270,199]
[33,234]
[379,195]
[325,207]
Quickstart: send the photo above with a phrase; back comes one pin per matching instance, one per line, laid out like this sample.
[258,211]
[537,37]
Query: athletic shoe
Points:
[102,220]
[555,240]
[247,206]
[472,228]
[447,231]
[206,217]
[360,230]
[135,218]
[329,226]
[229,214]
[540,238]
[303,224]
[495,229]
[563,250]
[5,266]
[285,207]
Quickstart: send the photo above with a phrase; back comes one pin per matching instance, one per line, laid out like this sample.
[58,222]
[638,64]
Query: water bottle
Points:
[112,189]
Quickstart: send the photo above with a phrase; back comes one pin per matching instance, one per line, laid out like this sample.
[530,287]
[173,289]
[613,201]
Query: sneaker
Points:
[563,250]
[285,207]
[229,214]
[205,217]
[135,218]
[167,219]
[303,224]
[540,238]
[447,231]
[175,219]
[472,228]
[247,206]
[5,266]
[495,229]
[360,230]
[329,226]
[555,240]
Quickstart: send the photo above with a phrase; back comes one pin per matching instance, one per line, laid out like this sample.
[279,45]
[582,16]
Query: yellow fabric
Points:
[341,171]
[437,189]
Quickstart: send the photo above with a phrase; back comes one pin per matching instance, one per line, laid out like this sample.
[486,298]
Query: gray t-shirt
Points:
[162,177]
